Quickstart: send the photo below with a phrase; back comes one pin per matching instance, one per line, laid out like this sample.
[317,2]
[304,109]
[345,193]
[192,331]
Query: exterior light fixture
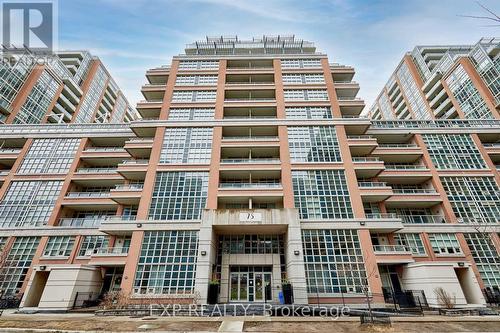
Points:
[203,253]
[139,225]
[42,268]
[296,252]
[362,223]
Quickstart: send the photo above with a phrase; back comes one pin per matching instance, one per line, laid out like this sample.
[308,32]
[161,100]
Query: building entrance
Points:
[250,284]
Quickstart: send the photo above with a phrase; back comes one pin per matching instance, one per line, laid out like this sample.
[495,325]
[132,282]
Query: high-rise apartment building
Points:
[251,168]
[443,82]
[68,87]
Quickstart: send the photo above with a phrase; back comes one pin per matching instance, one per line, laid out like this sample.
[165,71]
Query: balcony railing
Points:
[365,159]
[250,99]
[250,185]
[414,191]
[10,151]
[381,216]
[260,137]
[87,194]
[141,162]
[105,149]
[418,219]
[405,167]
[357,137]
[129,187]
[438,123]
[76,222]
[152,100]
[398,145]
[112,251]
[96,170]
[4,172]
[372,184]
[389,248]
[488,145]
[249,117]
[250,83]
[250,160]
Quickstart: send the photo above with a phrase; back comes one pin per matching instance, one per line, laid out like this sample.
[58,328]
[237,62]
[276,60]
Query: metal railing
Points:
[372,184]
[389,248]
[250,99]
[87,194]
[405,167]
[250,117]
[104,149]
[251,185]
[10,151]
[488,145]
[129,187]
[250,83]
[83,222]
[142,161]
[111,251]
[397,145]
[259,137]
[365,159]
[381,215]
[152,100]
[359,137]
[96,170]
[417,219]
[438,123]
[414,191]
[250,160]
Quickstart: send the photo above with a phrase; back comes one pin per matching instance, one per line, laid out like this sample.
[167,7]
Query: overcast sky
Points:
[131,36]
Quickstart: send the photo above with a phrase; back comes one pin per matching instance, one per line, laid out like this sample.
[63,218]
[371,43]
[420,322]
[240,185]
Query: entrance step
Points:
[231,326]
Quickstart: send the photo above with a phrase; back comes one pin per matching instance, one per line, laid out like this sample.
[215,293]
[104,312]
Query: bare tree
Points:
[490,16]
[3,265]
[444,298]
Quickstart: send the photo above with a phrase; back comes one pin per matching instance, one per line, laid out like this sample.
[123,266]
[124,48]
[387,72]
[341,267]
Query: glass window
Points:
[413,242]
[49,156]
[309,112]
[191,114]
[453,151]
[445,244]
[333,262]
[90,244]
[167,264]
[28,203]
[485,256]
[321,194]
[313,144]
[17,264]
[187,145]
[59,246]
[179,196]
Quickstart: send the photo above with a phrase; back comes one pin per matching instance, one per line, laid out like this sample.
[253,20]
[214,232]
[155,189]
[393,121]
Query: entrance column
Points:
[204,265]
[295,262]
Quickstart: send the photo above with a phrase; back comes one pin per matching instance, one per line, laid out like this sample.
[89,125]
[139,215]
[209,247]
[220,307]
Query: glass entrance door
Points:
[239,287]
[261,281]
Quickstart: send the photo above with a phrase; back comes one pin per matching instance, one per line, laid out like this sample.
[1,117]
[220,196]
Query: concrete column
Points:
[295,268]
[207,243]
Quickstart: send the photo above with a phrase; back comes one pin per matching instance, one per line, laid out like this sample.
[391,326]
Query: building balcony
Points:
[104,156]
[153,92]
[250,113]
[392,254]
[149,109]
[75,222]
[8,156]
[374,191]
[96,175]
[113,256]
[346,89]
[250,185]
[367,167]
[249,79]
[493,150]
[133,169]
[342,72]
[405,173]
[250,160]
[351,106]
[413,198]
[361,144]
[423,219]
[245,189]
[129,194]
[398,153]
[88,200]
[139,148]
[158,75]
[250,66]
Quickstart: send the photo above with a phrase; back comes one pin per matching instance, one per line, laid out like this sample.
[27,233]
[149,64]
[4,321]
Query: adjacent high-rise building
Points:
[67,87]
[443,82]
[251,170]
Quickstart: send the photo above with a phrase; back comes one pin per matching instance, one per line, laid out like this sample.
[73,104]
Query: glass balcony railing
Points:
[250,137]
[112,251]
[372,184]
[365,159]
[87,194]
[250,185]
[140,162]
[129,187]
[414,191]
[81,222]
[250,160]
[405,167]
[418,219]
[390,248]
[381,216]
[96,170]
